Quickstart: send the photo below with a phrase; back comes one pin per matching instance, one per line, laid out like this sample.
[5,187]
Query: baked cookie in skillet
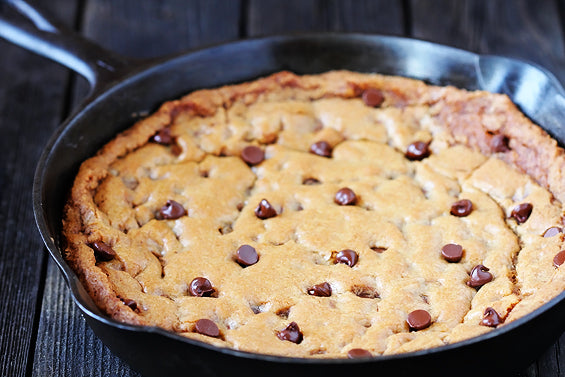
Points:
[333,215]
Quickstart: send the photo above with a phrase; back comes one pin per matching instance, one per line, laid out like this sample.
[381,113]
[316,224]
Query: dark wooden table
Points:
[42,332]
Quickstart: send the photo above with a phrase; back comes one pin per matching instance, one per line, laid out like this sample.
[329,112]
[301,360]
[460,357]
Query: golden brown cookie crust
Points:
[482,149]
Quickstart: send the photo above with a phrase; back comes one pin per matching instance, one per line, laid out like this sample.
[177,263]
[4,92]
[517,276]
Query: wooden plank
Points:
[267,17]
[144,29]
[525,29]
[149,29]
[369,16]
[32,94]
[560,348]
[65,344]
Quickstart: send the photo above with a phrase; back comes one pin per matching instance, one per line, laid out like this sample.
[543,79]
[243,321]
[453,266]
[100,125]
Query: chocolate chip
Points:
[103,252]
[163,136]
[347,256]
[452,252]
[321,148]
[170,211]
[522,212]
[256,309]
[358,353]
[491,318]
[201,287]
[345,197]
[364,291]
[207,327]
[176,149]
[291,333]
[461,208]
[320,290]
[252,155]
[129,302]
[226,228]
[417,151]
[283,312]
[373,97]
[499,143]
[265,210]
[551,232]
[479,276]
[419,320]
[247,255]
[311,181]
[379,249]
[559,258]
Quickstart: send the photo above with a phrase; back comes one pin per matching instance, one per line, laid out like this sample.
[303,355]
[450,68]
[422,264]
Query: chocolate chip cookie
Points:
[334,215]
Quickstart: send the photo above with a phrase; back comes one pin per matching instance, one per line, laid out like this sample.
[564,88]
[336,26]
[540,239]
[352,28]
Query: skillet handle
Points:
[36,31]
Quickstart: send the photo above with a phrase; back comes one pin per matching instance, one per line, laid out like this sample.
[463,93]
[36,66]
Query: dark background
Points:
[42,333]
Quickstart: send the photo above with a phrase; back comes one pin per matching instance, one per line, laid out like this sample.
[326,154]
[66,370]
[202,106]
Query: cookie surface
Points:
[323,216]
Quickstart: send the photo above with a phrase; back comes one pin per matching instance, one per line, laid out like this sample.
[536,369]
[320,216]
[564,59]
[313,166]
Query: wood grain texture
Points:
[267,17]
[525,29]
[66,346]
[32,93]
[149,29]
[144,29]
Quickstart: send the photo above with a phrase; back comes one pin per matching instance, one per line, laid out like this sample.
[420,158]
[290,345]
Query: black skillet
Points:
[122,88]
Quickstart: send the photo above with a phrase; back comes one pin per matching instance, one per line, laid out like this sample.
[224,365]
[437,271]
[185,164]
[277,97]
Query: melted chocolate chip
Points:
[417,151]
[491,318]
[201,287]
[358,353]
[265,210]
[256,309]
[348,257]
[247,255]
[171,211]
[311,181]
[364,291]
[321,148]
[163,136]
[320,290]
[522,212]
[103,252]
[452,252]
[551,232]
[419,320]
[176,149]
[291,333]
[252,155]
[373,97]
[461,208]
[129,302]
[559,258]
[479,276]
[207,327]
[499,143]
[379,249]
[345,197]
[283,312]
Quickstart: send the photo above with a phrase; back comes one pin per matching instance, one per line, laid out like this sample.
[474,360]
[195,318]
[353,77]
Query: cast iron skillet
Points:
[122,87]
